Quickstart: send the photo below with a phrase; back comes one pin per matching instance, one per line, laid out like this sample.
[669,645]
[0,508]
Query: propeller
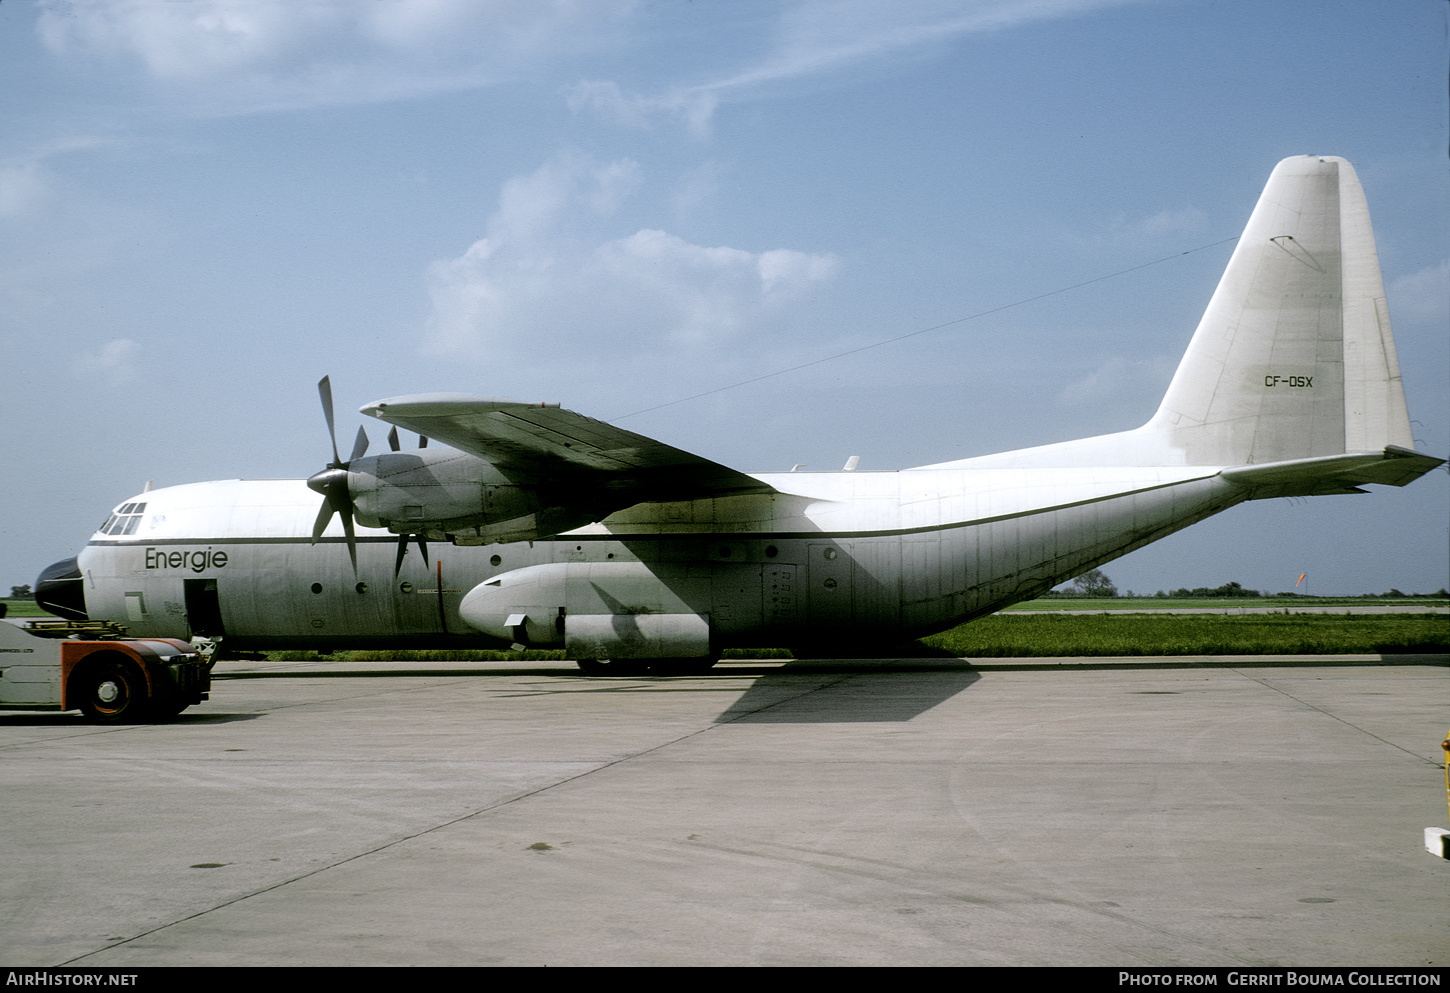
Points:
[332,481]
[332,484]
[403,550]
[396,446]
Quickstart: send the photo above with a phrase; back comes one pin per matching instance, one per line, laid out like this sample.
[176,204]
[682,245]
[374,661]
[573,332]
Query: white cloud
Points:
[821,35]
[115,361]
[229,56]
[185,40]
[815,37]
[784,271]
[547,278]
[539,203]
[693,108]
[243,55]
[1422,296]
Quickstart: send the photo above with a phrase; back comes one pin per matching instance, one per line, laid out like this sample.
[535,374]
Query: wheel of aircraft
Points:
[110,691]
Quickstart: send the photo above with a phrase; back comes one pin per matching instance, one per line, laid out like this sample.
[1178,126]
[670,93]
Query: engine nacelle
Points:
[442,492]
[614,610]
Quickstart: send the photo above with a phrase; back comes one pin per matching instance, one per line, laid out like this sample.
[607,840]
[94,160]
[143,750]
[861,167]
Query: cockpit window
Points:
[125,520]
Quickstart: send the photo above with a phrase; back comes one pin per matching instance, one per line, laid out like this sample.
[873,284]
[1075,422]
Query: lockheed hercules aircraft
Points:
[541,527]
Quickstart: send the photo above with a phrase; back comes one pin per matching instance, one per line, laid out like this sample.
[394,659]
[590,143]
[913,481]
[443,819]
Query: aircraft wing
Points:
[547,442]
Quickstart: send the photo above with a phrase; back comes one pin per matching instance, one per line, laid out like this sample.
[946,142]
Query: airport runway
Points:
[1226,812]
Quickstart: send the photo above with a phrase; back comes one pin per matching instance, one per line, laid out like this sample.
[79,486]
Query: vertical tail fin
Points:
[1294,357]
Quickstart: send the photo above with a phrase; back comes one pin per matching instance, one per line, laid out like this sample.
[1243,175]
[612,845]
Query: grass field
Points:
[1095,636]
[1026,635]
[1022,634]
[1187,603]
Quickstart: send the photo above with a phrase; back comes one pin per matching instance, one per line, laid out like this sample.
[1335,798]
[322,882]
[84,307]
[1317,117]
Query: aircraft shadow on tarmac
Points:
[813,691]
[830,691]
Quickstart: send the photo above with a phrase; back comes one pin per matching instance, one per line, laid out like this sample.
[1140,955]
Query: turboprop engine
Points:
[440,492]
[447,495]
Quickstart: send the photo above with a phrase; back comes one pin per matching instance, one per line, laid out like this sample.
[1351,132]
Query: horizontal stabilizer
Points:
[1332,473]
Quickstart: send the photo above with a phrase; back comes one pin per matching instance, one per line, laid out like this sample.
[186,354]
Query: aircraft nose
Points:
[61,590]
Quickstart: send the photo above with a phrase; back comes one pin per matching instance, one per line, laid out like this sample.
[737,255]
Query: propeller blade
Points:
[332,481]
[402,551]
[323,517]
[393,442]
[324,390]
[347,529]
[403,540]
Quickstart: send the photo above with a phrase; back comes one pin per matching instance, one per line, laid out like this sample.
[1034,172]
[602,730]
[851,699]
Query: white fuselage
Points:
[873,555]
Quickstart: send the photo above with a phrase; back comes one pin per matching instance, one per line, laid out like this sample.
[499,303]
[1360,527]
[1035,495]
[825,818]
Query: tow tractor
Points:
[91,667]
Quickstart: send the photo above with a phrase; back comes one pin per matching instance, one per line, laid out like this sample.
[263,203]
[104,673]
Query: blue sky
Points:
[206,206]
